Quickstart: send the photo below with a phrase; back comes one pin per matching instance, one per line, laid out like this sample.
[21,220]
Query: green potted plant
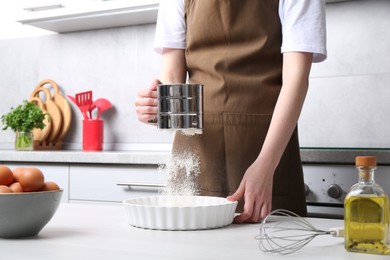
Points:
[22,120]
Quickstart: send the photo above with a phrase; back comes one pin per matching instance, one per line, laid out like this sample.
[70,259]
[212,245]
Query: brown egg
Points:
[17,172]
[49,185]
[31,179]
[6,176]
[16,187]
[5,189]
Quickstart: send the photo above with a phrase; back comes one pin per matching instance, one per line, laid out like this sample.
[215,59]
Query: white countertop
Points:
[74,156]
[92,231]
[160,154]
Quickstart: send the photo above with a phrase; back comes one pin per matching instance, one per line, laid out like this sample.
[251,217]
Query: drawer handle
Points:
[43,7]
[138,184]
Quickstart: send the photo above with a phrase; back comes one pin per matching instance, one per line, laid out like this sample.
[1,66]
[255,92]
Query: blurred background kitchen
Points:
[107,47]
[347,104]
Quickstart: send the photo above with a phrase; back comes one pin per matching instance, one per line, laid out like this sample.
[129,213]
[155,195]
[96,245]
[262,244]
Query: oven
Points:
[326,186]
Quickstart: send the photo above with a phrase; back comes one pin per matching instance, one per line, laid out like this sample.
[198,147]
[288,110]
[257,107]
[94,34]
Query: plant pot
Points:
[24,141]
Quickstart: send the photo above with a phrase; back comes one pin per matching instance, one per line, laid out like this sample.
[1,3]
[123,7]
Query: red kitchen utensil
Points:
[102,104]
[84,102]
[73,99]
[93,135]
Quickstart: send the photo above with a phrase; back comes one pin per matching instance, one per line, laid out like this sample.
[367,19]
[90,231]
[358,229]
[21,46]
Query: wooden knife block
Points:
[57,106]
[38,146]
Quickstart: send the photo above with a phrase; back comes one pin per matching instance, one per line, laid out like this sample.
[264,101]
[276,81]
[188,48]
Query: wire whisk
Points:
[285,232]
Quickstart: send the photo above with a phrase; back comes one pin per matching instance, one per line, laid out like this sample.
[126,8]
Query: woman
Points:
[254,59]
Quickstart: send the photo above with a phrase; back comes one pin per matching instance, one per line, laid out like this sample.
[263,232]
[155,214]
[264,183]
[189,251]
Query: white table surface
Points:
[93,231]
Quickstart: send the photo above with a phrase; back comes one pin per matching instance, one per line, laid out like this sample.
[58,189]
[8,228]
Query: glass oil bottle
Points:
[366,212]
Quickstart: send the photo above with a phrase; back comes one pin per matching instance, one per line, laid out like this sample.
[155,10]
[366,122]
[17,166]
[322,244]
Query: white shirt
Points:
[303,26]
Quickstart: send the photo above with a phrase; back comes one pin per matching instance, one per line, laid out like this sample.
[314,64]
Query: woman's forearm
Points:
[296,69]
[173,67]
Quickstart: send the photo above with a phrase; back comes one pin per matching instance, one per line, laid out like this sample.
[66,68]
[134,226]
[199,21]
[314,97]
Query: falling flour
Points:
[182,172]
[186,132]
[191,131]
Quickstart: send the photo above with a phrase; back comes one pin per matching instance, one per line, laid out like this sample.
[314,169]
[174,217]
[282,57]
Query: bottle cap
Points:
[365,161]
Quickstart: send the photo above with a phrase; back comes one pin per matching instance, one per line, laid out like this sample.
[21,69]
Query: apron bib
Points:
[233,48]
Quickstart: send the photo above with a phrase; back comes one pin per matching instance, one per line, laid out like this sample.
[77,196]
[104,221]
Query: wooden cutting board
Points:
[40,135]
[54,112]
[62,103]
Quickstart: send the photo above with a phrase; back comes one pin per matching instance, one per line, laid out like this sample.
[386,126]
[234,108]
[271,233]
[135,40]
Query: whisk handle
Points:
[337,231]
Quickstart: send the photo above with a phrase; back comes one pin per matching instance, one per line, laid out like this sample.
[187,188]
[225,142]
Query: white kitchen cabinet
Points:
[59,173]
[94,177]
[68,16]
[335,1]
[100,182]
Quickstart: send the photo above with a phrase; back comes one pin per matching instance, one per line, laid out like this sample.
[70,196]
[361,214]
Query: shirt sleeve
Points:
[171,27]
[304,27]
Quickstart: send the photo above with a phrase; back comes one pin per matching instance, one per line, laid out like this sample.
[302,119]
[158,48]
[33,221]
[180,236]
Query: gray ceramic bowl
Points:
[25,214]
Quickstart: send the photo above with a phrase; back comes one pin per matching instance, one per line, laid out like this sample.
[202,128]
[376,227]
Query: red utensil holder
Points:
[93,135]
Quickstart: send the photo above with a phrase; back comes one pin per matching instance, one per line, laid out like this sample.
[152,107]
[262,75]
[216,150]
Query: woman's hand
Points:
[173,71]
[256,185]
[256,189]
[146,103]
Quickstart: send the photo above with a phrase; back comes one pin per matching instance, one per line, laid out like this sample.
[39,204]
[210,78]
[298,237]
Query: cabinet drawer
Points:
[100,183]
[52,172]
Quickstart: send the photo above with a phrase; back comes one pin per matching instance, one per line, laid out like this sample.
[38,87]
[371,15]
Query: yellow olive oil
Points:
[366,224]
[366,212]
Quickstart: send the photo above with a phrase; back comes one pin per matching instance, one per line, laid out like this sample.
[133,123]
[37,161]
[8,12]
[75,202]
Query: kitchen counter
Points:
[161,154]
[343,155]
[74,156]
[100,231]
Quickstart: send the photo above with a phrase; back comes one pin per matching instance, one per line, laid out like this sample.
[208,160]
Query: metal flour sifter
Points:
[180,106]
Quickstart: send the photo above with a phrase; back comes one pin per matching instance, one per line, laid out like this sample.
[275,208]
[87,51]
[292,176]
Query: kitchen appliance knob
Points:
[334,191]
[307,190]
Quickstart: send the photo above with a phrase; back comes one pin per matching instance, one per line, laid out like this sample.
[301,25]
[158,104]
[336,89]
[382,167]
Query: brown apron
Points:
[233,48]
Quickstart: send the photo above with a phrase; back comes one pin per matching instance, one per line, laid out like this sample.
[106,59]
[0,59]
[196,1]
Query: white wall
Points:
[114,63]
[347,104]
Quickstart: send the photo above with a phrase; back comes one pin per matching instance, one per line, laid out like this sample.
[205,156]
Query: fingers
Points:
[151,91]
[242,218]
[246,214]
[146,114]
[253,213]
[146,103]
[254,209]
[146,109]
[147,93]
[248,209]
[154,83]
[265,211]
[237,195]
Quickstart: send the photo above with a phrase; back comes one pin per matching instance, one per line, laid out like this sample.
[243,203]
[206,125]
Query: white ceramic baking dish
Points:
[179,212]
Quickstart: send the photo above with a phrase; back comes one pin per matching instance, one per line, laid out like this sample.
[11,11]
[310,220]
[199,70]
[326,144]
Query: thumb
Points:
[238,194]
[154,83]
